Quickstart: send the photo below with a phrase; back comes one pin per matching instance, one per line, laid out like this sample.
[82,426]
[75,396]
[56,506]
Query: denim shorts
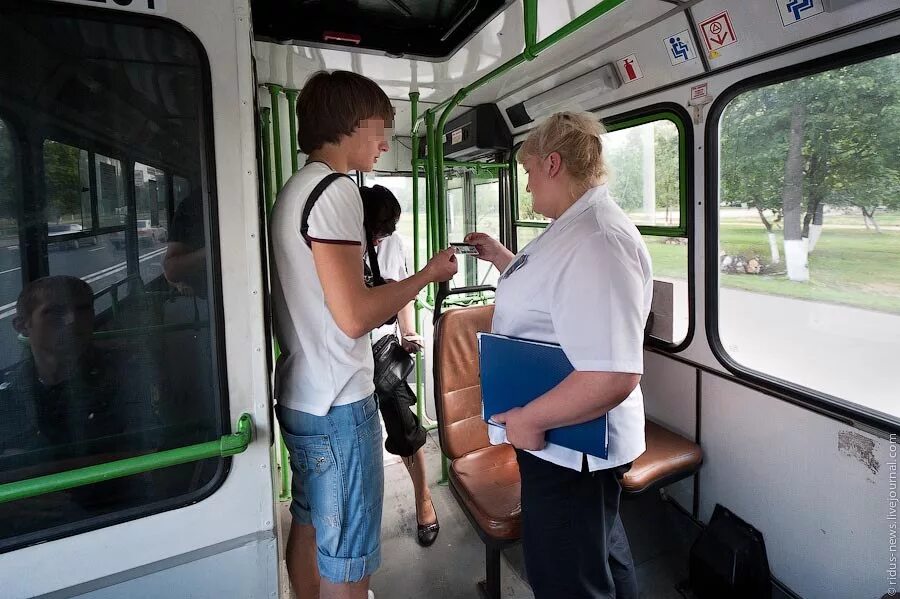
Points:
[338,484]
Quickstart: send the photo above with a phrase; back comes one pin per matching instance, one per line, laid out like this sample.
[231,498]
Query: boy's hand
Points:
[442,266]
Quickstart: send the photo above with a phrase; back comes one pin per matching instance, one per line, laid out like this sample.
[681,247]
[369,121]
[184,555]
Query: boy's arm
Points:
[357,309]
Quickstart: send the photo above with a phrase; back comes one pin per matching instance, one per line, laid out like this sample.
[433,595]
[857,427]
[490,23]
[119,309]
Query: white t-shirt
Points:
[320,366]
[392,263]
[586,284]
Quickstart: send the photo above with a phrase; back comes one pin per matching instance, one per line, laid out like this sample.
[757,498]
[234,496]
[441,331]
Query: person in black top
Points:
[68,399]
[185,261]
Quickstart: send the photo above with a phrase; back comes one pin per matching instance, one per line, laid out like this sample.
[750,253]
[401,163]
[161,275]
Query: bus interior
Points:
[142,147]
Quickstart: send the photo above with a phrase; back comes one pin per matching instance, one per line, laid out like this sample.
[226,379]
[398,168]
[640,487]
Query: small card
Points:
[465,248]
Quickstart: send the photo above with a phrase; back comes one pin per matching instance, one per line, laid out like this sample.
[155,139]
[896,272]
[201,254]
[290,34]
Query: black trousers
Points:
[574,541]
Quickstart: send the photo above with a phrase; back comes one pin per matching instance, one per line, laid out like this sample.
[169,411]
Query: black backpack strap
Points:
[311,201]
[317,191]
[373,260]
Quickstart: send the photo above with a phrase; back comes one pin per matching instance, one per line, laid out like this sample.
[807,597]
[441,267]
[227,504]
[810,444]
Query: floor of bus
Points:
[660,537]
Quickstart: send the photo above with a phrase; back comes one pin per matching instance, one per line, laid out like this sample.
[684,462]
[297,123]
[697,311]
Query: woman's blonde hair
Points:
[576,136]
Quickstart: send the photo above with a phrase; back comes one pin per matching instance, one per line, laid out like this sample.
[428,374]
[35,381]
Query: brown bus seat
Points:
[484,478]
[669,457]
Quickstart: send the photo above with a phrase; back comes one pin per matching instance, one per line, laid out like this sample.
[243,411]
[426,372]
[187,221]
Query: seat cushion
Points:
[487,482]
[669,457]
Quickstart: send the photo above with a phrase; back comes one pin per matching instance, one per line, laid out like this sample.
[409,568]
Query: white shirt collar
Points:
[586,201]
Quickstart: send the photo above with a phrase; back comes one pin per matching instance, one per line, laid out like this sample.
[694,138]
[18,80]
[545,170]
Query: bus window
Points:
[487,220]
[644,179]
[529,223]
[809,232]
[112,346]
[110,191]
[67,185]
[10,257]
[151,198]
[643,159]
[643,172]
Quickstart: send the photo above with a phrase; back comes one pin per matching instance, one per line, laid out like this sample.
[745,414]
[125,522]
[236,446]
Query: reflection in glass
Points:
[110,349]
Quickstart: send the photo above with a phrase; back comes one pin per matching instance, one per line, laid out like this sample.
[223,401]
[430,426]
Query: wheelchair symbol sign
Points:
[680,47]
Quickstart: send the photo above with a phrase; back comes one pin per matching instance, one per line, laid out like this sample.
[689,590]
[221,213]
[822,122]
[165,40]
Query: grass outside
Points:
[854,267]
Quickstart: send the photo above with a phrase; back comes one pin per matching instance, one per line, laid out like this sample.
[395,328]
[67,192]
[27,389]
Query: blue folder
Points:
[516,371]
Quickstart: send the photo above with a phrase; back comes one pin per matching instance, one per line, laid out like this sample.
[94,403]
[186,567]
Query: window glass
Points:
[456,227]
[643,172]
[525,203]
[67,185]
[11,350]
[108,351]
[525,235]
[671,313]
[487,220]
[110,191]
[809,232]
[151,198]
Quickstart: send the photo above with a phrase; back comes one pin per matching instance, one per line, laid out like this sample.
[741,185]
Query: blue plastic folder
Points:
[516,371]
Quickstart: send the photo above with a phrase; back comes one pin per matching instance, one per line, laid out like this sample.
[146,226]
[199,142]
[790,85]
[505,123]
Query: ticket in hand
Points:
[465,248]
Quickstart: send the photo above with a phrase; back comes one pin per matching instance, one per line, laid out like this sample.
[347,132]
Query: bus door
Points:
[134,410]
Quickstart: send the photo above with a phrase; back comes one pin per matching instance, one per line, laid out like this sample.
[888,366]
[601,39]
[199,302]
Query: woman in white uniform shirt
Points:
[585,284]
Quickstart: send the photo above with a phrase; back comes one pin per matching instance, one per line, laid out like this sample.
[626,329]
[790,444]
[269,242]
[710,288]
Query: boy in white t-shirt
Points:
[323,313]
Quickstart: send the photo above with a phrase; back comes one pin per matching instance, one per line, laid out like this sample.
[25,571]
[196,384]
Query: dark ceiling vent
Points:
[425,29]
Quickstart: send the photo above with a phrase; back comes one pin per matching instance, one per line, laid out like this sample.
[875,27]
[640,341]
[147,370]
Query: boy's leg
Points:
[345,590]
[424,507]
[303,571]
[338,486]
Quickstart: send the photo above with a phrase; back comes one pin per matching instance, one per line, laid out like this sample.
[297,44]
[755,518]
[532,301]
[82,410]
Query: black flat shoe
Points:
[426,534]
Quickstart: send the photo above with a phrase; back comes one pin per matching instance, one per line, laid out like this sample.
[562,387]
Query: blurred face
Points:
[368,142]
[62,326]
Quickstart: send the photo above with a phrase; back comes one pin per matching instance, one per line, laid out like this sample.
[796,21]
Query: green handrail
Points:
[477,165]
[274,91]
[292,95]
[563,32]
[264,114]
[228,445]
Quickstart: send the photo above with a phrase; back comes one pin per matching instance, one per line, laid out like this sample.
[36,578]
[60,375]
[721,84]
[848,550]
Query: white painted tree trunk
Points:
[815,231]
[773,248]
[796,258]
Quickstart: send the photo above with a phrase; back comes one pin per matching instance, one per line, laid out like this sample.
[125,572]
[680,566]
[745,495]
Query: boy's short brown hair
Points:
[332,105]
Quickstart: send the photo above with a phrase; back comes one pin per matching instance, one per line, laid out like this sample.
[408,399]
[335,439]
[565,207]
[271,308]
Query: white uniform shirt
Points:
[586,284]
[320,366]
[392,263]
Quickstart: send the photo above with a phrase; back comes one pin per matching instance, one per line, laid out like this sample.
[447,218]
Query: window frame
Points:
[207,178]
[818,401]
[677,115]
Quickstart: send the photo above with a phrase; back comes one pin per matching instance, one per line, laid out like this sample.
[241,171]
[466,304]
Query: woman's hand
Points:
[490,249]
[411,343]
[521,432]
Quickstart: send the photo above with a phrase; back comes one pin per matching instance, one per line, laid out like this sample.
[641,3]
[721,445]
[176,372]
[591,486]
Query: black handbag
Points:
[405,434]
[392,364]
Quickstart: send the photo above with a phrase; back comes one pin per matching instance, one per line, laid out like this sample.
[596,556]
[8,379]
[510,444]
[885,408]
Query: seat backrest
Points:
[457,384]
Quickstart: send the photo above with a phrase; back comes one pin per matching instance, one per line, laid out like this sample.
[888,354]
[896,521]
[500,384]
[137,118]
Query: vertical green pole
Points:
[264,114]
[414,163]
[274,94]
[529,8]
[280,447]
[292,122]
[430,202]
